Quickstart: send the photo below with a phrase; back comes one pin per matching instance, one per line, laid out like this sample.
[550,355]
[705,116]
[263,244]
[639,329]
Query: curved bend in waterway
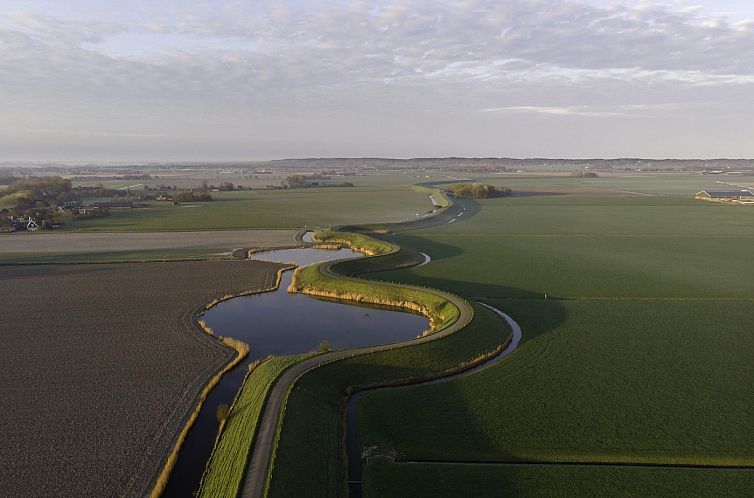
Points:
[280,323]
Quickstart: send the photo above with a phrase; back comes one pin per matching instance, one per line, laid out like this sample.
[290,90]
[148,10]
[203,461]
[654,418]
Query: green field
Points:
[556,481]
[638,355]
[589,247]
[226,468]
[677,184]
[268,209]
[595,381]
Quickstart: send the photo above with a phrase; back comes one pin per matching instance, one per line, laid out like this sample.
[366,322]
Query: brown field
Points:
[61,242]
[101,366]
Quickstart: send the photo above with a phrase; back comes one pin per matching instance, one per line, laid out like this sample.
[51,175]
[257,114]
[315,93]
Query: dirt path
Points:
[90,242]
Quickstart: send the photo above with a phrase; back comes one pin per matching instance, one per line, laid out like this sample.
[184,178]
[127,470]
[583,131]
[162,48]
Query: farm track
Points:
[92,242]
[95,394]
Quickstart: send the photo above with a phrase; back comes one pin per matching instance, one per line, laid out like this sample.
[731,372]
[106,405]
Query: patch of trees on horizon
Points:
[585,174]
[479,191]
[301,181]
[192,196]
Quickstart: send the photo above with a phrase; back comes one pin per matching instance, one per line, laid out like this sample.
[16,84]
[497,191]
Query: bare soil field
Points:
[65,242]
[101,367]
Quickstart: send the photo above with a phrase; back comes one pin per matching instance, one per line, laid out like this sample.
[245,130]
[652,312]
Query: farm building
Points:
[726,195]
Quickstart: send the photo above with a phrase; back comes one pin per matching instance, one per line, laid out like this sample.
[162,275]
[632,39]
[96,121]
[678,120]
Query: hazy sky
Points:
[200,80]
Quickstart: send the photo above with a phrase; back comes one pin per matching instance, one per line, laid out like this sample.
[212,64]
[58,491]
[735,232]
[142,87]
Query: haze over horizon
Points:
[207,80]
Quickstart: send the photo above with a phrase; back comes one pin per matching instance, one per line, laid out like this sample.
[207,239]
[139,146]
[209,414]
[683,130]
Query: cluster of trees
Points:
[479,190]
[39,198]
[22,194]
[585,174]
[98,190]
[192,196]
[223,187]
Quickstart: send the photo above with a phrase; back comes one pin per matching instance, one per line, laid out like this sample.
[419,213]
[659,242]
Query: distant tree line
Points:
[301,181]
[585,174]
[192,196]
[479,190]
[22,194]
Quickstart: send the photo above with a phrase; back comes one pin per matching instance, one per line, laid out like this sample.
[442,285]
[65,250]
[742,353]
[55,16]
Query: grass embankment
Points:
[315,410]
[354,241]
[388,480]
[227,465]
[436,193]
[311,280]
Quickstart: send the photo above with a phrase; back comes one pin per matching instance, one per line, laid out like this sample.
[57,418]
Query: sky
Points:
[190,80]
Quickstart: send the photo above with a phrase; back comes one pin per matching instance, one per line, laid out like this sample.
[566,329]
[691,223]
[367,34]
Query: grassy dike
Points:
[225,469]
[354,241]
[315,280]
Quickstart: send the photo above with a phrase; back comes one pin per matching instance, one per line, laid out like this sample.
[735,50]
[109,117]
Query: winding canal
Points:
[279,323]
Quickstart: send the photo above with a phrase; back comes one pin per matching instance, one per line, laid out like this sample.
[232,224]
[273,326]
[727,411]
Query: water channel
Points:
[279,323]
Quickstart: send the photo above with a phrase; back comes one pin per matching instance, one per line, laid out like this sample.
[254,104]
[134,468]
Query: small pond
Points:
[279,323]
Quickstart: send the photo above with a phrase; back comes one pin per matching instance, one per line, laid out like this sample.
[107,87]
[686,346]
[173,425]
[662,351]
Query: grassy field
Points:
[312,420]
[676,184]
[589,247]
[101,368]
[268,209]
[225,469]
[637,355]
[636,382]
[558,481]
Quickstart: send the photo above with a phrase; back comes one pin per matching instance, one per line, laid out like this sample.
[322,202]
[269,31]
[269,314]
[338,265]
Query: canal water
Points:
[279,323]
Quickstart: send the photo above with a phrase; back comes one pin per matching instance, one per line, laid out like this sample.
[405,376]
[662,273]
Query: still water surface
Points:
[279,323]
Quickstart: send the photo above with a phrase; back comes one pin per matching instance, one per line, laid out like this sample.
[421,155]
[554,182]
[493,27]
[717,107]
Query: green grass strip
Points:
[436,193]
[312,280]
[227,465]
[355,241]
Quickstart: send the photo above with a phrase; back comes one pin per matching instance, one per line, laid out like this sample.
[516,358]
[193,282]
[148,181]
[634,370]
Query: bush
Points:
[222,412]
[479,190]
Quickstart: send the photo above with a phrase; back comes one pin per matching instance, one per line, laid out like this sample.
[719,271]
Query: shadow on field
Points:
[530,310]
